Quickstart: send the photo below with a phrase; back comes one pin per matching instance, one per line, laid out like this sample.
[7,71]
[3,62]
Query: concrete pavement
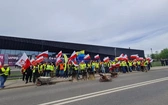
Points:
[18,83]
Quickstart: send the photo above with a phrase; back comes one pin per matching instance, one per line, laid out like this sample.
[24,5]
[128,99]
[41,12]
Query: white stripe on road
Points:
[104,92]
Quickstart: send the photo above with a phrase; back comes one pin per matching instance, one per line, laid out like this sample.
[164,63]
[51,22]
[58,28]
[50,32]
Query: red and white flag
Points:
[125,57]
[74,63]
[106,59]
[140,58]
[58,60]
[40,59]
[59,54]
[44,54]
[73,56]
[122,55]
[23,61]
[118,64]
[97,56]
[135,56]
[33,61]
[87,57]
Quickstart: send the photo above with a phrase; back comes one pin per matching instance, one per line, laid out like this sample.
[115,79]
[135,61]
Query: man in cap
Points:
[5,72]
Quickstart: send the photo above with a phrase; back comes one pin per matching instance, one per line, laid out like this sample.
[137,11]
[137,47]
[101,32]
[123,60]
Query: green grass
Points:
[156,63]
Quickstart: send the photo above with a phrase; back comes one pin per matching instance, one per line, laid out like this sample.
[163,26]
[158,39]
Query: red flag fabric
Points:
[33,61]
[59,54]
[134,56]
[106,59]
[125,57]
[40,59]
[140,58]
[58,60]
[97,56]
[73,56]
[121,57]
[87,57]
[23,61]
[44,54]
[74,63]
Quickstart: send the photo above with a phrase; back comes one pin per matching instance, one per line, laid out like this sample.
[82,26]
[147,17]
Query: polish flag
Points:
[125,57]
[44,54]
[73,56]
[74,63]
[33,61]
[97,56]
[23,61]
[40,59]
[59,54]
[58,60]
[140,58]
[87,57]
[118,64]
[120,58]
[134,56]
[106,59]
[122,55]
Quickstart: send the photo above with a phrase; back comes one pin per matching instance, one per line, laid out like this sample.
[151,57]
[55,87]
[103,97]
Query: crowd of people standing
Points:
[84,69]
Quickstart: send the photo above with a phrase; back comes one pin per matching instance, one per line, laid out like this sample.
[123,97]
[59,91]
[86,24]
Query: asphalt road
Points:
[127,89]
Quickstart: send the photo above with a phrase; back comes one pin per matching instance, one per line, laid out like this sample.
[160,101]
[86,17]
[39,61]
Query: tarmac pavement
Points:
[18,83]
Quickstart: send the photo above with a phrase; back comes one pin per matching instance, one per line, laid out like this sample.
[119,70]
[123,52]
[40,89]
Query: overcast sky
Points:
[138,24]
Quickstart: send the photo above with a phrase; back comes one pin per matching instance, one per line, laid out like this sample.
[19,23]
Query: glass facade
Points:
[20,52]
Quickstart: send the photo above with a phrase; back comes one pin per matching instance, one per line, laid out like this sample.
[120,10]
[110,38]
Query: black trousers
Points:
[28,77]
[35,76]
[23,76]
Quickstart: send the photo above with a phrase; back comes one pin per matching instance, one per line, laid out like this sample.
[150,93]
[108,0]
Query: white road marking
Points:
[104,92]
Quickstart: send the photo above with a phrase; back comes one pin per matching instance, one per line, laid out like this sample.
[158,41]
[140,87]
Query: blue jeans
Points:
[130,68]
[124,69]
[61,73]
[1,81]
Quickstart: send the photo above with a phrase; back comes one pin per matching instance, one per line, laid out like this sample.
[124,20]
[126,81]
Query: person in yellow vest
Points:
[138,65]
[82,66]
[130,65]
[5,72]
[41,69]
[44,68]
[35,73]
[89,68]
[134,65]
[48,70]
[74,72]
[124,65]
[145,65]
[97,67]
[52,68]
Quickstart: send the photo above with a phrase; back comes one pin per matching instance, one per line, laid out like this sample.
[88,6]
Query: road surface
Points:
[128,89]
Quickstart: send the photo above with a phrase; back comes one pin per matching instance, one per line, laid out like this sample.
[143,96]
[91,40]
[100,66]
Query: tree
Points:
[164,53]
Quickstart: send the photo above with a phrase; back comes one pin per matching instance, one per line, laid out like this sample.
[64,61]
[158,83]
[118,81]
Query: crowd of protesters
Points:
[63,70]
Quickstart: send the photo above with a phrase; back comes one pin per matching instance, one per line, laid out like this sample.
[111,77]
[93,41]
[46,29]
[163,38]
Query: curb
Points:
[68,80]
